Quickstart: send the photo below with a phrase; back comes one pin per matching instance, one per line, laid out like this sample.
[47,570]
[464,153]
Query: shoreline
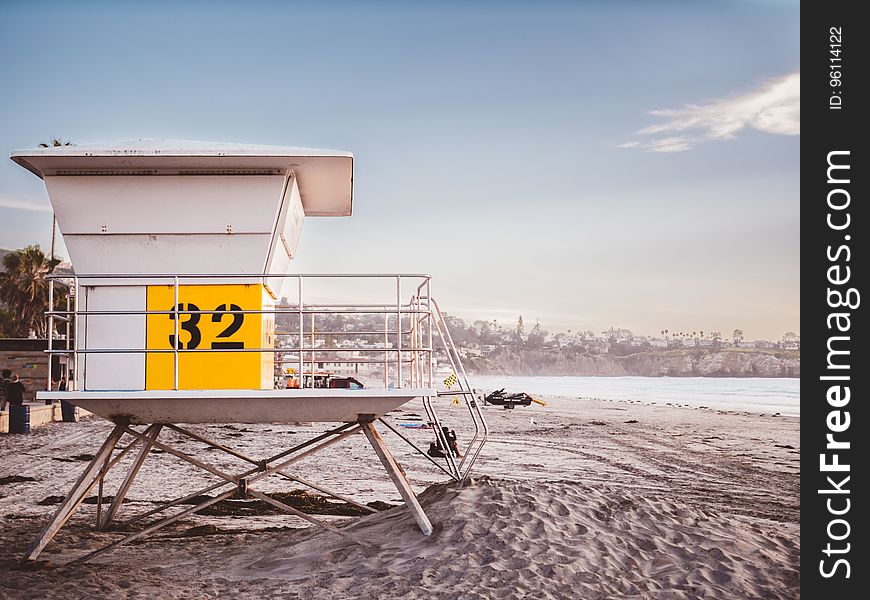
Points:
[738,395]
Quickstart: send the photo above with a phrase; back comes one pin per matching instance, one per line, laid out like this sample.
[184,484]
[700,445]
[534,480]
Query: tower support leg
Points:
[398,477]
[92,474]
[152,432]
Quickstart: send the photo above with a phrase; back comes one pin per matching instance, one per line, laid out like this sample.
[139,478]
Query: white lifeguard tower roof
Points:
[324,177]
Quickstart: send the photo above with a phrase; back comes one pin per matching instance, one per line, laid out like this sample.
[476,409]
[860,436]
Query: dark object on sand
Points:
[500,398]
[15,479]
[68,411]
[436,448]
[19,418]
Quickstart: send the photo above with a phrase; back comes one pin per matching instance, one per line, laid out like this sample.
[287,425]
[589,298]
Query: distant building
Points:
[338,368]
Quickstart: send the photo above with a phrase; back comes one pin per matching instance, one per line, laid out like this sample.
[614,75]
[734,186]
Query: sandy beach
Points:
[579,499]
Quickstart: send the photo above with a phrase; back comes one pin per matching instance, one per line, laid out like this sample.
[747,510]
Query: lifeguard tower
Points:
[181,252]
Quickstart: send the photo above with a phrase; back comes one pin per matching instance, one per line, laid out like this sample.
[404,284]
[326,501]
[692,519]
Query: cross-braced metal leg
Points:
[242,482]
[274,465]
[151,433]
[77,494]
[398,476]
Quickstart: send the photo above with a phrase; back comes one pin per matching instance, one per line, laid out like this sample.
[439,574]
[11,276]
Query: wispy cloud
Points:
[669,144]
[18,204]
[775,107]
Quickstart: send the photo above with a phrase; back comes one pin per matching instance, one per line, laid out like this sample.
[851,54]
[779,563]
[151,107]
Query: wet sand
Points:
[579,499]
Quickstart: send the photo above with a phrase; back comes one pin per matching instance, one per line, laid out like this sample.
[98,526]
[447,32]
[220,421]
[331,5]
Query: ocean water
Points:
[759,395]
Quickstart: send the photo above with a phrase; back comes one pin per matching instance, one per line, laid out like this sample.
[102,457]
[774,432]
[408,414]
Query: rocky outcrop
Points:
[671,363]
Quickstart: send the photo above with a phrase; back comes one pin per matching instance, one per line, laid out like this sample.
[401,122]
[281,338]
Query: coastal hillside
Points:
[672,363]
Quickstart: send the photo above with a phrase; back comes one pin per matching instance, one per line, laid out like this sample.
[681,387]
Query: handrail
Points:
[301,309]
[408,346]
[473,405]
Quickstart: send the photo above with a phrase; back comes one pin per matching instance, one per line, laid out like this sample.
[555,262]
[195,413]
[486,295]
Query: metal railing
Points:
[400,345]
[406,351]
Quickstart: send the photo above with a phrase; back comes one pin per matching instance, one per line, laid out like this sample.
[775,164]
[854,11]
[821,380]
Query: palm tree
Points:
[24,290]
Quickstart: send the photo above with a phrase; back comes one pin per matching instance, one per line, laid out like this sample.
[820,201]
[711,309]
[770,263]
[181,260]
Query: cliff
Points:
[672,363]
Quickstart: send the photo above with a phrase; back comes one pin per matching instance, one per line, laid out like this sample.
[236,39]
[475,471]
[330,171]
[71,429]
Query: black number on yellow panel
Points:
[238,319]
[190,326]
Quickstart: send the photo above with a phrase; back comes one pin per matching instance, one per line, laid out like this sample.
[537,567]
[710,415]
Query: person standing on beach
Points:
[4,384]
[15,392]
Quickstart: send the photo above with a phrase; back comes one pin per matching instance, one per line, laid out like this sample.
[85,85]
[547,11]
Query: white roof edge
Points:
[325,177]
[164,147]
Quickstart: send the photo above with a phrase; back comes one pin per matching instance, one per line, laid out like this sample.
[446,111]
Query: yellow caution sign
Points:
[218,333]
[451,381]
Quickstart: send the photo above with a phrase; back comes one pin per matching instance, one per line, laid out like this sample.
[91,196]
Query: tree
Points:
[737,336]
[519,334]
[537,337]
[790,336]
[24,291]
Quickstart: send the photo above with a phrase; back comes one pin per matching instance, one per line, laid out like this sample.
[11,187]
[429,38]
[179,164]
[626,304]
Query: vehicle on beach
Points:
[509,401]
[346,383]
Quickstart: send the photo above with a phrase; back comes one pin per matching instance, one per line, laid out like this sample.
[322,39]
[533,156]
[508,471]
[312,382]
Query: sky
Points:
[587,165]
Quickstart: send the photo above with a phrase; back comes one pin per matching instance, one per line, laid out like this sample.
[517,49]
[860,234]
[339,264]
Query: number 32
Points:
[191,326]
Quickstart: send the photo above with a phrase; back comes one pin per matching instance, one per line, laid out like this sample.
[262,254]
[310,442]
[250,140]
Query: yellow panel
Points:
[221,331]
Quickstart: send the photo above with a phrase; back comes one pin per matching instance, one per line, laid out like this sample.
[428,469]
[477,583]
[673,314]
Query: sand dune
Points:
[508,539]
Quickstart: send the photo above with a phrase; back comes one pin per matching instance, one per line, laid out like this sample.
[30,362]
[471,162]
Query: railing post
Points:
[175,339]
[386,343]
[313,342]
[412,342]
[76,345]
[418,341]
[299,377]
[50,333]
[398,332]
[429,328]
[68,317]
